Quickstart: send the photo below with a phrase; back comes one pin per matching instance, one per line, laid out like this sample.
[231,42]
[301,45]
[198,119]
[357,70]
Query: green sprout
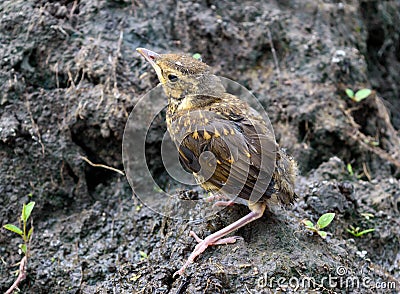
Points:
[322,222]
[350,169]
[197,56]
[359,95]
[371,142]
[26,236]
[351,172]
[355,231]
[143,255]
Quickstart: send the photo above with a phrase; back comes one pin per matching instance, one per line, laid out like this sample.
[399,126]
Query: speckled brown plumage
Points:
[222,141]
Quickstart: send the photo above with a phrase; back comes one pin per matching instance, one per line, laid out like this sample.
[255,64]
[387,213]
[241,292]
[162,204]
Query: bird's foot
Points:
[202,246]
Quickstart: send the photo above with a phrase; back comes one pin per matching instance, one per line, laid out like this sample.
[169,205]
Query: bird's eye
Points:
[172,78]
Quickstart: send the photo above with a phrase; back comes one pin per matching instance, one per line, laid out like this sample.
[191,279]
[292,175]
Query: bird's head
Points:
[182,75]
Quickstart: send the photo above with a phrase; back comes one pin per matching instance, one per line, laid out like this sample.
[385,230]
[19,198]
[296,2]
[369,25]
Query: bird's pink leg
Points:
[216,238]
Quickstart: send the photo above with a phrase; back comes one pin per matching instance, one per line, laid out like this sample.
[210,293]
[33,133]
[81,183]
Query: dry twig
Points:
[278,71]
[21,275]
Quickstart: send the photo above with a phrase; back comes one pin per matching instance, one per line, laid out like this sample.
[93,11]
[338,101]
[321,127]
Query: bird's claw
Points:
[194,235]
[201,246]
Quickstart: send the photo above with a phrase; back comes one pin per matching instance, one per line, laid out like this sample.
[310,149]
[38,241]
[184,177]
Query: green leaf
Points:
[365,232]
[349,93]
[197,56]
[323,234]
[26,211]
[325,220]
[350,169]
[308,223]
[13,228]
[143,254]
[30,233]
[362,94]
[23,248]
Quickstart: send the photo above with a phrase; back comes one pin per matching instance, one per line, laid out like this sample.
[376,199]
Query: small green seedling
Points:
[350,169]
[143,255]
[322,222]
[357,233]
[26,236]
[24,247]
[197,56]
[371,142]
[359,95]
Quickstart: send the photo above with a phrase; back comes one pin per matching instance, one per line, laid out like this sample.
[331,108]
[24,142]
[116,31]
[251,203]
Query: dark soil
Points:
[69,77]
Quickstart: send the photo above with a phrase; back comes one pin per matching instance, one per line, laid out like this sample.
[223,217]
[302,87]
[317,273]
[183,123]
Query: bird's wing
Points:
[236,156]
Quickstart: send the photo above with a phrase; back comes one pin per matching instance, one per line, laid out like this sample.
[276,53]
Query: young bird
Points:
[224,142]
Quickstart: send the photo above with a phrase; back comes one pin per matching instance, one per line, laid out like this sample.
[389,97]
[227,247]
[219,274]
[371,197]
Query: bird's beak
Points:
[151,57]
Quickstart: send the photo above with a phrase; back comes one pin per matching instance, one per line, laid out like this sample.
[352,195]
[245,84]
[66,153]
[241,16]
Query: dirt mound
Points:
[69,77]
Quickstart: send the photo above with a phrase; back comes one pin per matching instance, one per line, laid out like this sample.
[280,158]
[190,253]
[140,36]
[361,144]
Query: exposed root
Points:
[103,166]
